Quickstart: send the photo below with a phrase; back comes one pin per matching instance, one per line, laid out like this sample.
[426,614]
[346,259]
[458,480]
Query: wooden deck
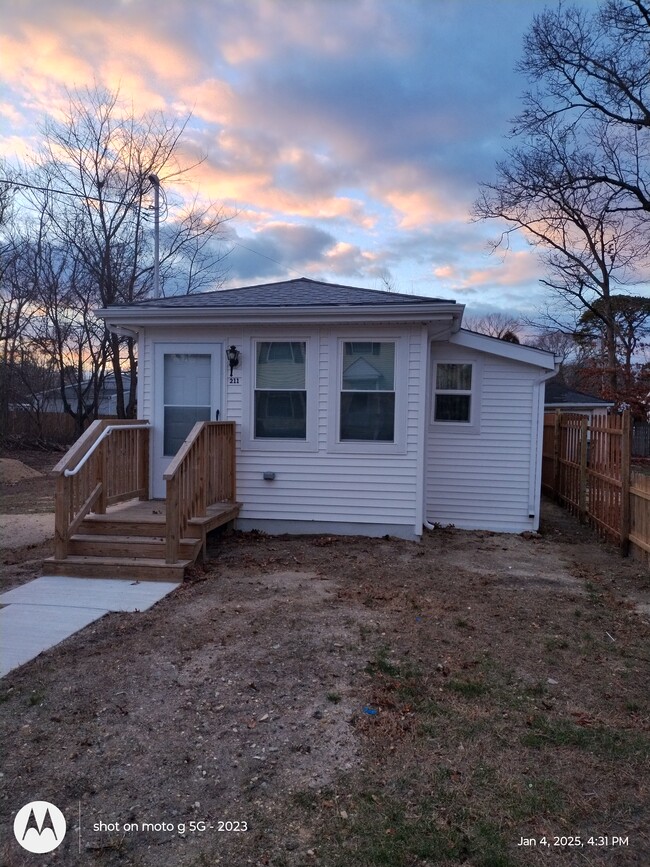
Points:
[106,527]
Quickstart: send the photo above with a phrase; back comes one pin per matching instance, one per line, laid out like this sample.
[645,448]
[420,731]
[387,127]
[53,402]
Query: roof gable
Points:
[504,349]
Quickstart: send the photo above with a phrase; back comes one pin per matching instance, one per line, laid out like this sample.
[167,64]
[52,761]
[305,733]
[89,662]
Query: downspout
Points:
[427,410]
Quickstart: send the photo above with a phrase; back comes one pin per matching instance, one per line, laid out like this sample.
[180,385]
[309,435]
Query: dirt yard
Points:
[476,699]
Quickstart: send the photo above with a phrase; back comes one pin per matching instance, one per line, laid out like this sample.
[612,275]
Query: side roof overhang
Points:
[504,349]
[137,318]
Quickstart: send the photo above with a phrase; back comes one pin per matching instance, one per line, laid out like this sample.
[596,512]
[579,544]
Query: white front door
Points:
[187,388]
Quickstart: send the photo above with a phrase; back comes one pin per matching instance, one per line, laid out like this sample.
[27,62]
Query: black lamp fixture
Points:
[232,354]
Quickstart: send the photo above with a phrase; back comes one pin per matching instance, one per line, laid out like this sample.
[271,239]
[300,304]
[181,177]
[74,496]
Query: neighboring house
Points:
[51,400]
[560,396]
[357,411]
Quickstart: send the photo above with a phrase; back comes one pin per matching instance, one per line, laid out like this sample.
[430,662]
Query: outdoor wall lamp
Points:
[232,354]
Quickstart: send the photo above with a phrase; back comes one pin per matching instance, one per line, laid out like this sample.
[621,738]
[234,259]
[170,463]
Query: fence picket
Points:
[586,467]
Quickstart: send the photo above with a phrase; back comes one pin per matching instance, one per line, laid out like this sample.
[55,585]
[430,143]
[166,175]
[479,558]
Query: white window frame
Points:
[282,444]
[473,425]
[400,387]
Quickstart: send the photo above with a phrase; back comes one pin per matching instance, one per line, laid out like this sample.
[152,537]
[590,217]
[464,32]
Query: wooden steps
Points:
[137,568]
[130,542]
[133,547]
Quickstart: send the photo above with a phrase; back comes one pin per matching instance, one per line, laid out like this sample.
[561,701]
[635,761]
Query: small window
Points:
[280,392]
[368,392]
[453,397]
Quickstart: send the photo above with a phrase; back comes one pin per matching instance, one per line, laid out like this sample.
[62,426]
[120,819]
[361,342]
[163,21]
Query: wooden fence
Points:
[641,439]
[586,468]
[640,514]
[55,427]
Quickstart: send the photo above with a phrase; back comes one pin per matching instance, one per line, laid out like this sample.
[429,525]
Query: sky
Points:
[348,136]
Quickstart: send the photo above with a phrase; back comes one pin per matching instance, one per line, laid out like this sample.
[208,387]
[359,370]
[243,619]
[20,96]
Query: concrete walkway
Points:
[41,613]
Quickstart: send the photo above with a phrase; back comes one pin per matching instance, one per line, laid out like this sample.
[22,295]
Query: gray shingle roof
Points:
[557,392]
[287,293]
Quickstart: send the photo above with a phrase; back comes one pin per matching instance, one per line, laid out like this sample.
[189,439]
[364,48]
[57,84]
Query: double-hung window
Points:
[453,394]
[280,390]
[367,408]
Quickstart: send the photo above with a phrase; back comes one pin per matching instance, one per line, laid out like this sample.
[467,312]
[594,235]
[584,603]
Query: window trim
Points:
[281,444]
[400,389]
[472,426]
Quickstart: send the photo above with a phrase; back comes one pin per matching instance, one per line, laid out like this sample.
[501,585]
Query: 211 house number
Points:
[233,380]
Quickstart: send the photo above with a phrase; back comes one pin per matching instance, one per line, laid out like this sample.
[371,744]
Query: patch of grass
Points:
[534,798]
[36,697]
[431,708]
[467,688]
[553,643]
[303,799]
[407,675]
[536,690]
[334,697]
[461,623]
[385,833]
[383,664]
[595,739]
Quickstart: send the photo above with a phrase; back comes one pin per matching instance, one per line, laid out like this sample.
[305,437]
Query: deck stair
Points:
[104,526]
[131,542]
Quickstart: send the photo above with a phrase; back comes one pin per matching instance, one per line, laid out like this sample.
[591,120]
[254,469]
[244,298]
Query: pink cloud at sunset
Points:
[348,138]
[518,269]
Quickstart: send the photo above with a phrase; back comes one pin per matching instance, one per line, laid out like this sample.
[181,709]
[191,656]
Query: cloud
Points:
[350,136]
[514,277]
[276,248]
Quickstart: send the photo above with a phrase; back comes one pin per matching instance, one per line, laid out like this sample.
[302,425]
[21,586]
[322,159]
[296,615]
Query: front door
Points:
[187,389]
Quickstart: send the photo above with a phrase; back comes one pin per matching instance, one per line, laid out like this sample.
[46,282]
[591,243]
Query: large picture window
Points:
[280,391]
[453,397]
[368,392]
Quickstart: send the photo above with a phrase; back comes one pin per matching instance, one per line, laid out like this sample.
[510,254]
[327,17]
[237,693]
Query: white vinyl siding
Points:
[321,484]
[482,481]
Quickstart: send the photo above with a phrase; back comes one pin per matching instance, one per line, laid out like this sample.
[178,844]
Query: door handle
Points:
[216,415]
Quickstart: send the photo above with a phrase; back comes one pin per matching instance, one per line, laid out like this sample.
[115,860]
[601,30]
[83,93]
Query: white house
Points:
[52,401]
[357,411]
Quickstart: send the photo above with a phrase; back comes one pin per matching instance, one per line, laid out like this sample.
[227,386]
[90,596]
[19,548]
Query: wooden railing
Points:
[201,473]
[108,464]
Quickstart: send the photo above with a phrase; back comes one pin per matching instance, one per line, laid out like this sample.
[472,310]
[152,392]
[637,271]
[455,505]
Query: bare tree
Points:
[632,316]
[94,175]
[590,73]
[498,325]
[16,310]
[65,334]
[576,181]
[17,292]
[561,343]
